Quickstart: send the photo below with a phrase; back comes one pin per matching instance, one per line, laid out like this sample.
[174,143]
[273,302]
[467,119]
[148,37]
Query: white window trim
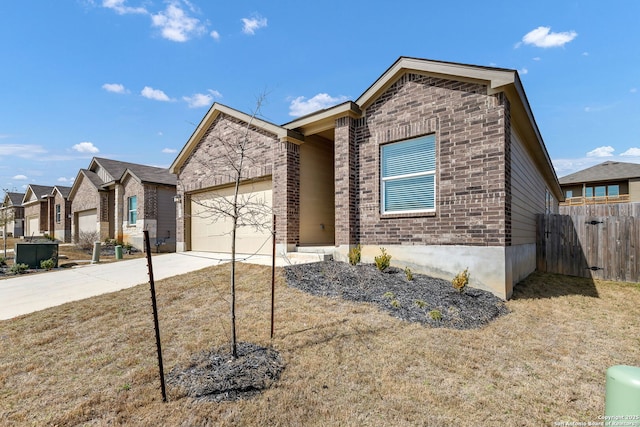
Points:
[129,211]
[384,180]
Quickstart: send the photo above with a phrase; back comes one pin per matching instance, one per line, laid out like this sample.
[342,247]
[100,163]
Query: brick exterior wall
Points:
[207,168]
[86,197]
[346,175]
[62,229]
[286,193]
[472,170]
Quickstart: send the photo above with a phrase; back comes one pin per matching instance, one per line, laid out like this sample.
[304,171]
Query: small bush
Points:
[47,264]
[355,254]
[420,303]
[408,273]
[461,280]
[395,303]
[19,268]
[86,239]
[383,261]
[49,237]
[389,295]
[435,314]
[3,262]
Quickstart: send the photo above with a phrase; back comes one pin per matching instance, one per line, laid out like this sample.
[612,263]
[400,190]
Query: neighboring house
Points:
[60,213]
[36,210]
[119,200]
[12,210]
[608,182]
[46,211]
[441,164]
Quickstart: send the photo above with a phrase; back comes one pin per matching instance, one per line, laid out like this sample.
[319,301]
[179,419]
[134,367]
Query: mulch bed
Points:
[419,300]
[216,376]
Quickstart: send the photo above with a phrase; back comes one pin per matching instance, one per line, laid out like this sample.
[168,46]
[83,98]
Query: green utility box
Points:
[622,399]
[118,250]
[32,253]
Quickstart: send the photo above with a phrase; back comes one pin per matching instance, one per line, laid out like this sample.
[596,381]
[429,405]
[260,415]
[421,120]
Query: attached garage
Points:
[33,226]
[87,221]
[211,231]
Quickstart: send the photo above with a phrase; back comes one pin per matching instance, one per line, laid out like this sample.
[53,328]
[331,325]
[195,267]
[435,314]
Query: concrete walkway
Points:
[32,292]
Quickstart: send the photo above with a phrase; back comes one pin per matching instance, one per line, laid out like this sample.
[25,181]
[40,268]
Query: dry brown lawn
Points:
[93,362]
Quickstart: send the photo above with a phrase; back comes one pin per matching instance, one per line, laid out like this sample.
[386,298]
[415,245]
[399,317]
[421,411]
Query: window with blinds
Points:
[408,175]
[132,210]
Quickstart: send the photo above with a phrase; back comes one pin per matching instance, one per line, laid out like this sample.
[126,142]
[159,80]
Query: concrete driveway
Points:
[32,292]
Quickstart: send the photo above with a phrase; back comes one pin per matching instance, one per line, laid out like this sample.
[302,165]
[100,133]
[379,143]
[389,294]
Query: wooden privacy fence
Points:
[601,247]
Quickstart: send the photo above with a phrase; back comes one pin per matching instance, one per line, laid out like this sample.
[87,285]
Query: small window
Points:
[588,192]
[133,210]
[58,213]
[601,191]
[613,190]
[408,175]
[568,194]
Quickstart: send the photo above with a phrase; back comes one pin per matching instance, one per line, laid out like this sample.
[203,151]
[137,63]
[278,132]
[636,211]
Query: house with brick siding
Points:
[119,200]
[442,164]
[12,210]
[46,211]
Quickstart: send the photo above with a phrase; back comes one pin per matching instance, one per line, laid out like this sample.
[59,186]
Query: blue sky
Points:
[131,79]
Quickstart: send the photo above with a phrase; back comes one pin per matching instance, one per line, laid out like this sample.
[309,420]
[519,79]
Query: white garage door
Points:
[33,226]
[87,221]
[211,231]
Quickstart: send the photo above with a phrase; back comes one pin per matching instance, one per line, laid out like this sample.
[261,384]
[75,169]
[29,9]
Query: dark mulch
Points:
[216,376]
[418,300]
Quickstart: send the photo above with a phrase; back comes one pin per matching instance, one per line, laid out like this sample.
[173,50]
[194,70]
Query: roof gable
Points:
[494,78]
[606,171]
[13,199]
[62,190]
[216,109]
[35,193]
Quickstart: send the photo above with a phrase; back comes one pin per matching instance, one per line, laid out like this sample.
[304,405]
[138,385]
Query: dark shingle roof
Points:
[41,190]
[16,198]
[145,173]
[607,171]
[64,191]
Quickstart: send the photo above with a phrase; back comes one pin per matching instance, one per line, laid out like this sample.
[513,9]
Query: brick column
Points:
[286,195]
[345,182]
[119,210]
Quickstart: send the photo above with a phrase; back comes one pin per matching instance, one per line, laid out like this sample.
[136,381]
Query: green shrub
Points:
[461,280]
[395,303]
[420,303]
[47,264]
[435,314]
[3,262]
[389,295]
[383,261]
[408,273]
[19,268]
[355,254]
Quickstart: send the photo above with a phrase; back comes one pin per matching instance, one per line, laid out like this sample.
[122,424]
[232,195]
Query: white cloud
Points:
[65,179]
[85,147]
[155,94]
[169,150]
[215,35]
[302,106]
[20,177]
[524,71]
[175,24]
[632,90]
[537,58]
[114,87]
[543,37]
[585,53]
[119,7]
[632,152]
[604,151]
[250,25]
[25,151]
[199,100]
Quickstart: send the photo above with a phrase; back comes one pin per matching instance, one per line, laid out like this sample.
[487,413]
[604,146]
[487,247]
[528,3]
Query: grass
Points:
[93,362]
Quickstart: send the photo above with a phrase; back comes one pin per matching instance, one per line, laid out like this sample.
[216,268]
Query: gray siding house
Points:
[13,211]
